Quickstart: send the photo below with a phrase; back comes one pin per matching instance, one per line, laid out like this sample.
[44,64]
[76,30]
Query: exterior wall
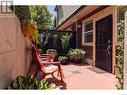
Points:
[15,50]
[96,17]
[66,10]
[90,57]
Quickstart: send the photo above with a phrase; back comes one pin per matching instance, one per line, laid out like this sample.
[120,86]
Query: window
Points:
[88,32]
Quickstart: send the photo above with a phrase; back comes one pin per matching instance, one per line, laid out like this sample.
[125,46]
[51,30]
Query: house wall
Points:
[90,49]
[15,50]
[94,13]
[99,15]
[66,11]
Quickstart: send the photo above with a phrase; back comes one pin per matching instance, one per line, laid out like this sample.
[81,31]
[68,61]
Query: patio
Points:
[81,77]
[61,45]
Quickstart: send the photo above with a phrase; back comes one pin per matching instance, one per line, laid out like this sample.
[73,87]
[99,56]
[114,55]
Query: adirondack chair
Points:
[43,56]
[47,67]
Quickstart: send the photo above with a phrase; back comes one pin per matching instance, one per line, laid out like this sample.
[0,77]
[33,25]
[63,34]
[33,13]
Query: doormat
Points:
[76,72]
[96,70]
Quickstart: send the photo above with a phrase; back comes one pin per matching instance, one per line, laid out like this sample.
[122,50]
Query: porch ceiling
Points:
[85,11]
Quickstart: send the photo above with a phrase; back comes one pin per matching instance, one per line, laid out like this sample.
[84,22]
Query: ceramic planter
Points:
[64,61]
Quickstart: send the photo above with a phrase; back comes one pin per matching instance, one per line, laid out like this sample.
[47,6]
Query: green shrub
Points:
[120,56]
[22,82]
[76,53]
[22,12]
[65,39]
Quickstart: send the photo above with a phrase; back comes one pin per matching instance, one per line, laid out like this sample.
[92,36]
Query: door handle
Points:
[108,49]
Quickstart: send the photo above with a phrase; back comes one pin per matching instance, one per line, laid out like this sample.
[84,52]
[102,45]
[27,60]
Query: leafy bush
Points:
[22,82]
[76,53]
[120,56]
[65,39]
[22,12]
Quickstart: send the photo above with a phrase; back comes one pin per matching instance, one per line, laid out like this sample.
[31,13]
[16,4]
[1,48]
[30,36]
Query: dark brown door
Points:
[104,43]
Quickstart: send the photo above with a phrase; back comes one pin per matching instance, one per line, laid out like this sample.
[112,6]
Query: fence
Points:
[51,39]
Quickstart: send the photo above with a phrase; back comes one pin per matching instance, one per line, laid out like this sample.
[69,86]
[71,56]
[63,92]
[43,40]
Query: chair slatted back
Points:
[37,58]
[36,49]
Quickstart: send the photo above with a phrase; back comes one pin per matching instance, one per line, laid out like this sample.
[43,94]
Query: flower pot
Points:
[53,53]
[24,29]
[28,28]
[76,61]
[64,61]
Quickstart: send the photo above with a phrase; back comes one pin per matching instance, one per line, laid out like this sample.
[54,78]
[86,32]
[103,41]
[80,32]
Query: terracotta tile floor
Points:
[83,77]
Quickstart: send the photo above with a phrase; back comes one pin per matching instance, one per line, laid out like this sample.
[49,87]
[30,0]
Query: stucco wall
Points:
[15,50]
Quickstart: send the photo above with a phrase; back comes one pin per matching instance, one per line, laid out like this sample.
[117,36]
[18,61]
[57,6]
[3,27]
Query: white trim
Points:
[99,15]
[83,33]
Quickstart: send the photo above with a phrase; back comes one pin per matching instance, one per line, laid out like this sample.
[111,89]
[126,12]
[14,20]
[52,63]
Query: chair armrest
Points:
[49,63]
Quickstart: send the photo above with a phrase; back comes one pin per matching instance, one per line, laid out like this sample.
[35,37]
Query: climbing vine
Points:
[120,56]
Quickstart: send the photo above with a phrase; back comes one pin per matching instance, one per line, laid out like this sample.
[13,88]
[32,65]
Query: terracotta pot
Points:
[25,29]
[32,30]
[77,61]
[64,61]
[28,29]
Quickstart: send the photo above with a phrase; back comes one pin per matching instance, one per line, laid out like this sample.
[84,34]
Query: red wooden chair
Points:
[47,67]
[43,56]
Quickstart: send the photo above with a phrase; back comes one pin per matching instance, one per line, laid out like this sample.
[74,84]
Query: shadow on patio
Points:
[81,77]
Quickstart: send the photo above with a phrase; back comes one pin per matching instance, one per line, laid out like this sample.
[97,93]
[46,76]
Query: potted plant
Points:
[24,15]
[76,55]
[53,53]
[63,60]
[25,27]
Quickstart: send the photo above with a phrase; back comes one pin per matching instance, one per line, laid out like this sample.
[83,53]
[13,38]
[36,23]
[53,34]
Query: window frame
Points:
[84,33]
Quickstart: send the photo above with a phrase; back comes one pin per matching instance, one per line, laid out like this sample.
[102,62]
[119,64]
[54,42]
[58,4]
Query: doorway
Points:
[104,43]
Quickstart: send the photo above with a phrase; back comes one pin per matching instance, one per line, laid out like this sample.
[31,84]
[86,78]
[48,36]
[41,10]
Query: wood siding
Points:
[67,10]
[89,52]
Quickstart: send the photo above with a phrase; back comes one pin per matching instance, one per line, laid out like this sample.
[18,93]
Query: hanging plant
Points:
[26,27]
[24,15]
[120,56]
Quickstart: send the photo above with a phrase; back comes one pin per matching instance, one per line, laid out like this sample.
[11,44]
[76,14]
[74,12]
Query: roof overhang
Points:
[77,16]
